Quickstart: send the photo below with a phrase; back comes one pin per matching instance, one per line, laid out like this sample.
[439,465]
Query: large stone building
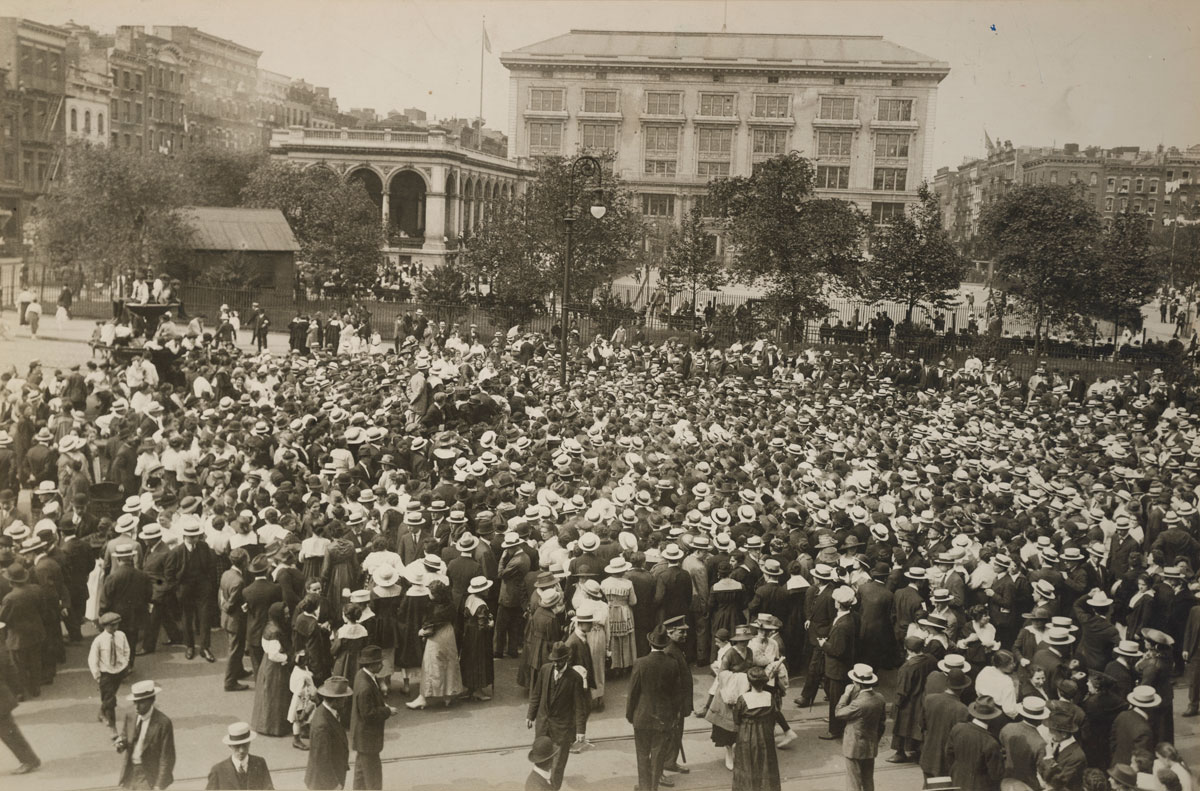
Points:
[34,116]
[431,191]
[679,109]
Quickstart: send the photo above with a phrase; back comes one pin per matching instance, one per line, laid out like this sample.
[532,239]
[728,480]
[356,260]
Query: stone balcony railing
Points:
[433,140]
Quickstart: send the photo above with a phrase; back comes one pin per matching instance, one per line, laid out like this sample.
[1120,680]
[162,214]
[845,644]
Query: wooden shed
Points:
[257,242]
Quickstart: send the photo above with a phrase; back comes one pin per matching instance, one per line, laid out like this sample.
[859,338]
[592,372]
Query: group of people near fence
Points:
[1000,571]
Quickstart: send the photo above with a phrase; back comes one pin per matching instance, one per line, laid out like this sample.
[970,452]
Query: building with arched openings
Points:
[431,192]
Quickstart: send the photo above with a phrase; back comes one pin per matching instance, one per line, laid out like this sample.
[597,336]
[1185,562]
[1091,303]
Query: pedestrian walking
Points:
[33,316]
[240,770]
[10,733]
[558,708]
[147,740]
[329,746]
[972,752]
[542,755]
[108,661]
[652,707]
[863,711]
[755,760]
[369,711]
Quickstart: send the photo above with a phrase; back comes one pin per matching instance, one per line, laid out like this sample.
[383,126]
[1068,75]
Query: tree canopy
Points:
[1127,272]
[335,222]
[913,261]
[1043,238]
[691,263]
[519,248]
[115,210]
[799,248]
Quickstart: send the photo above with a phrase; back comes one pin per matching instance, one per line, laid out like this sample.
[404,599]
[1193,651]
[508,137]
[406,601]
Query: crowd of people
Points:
[743,535]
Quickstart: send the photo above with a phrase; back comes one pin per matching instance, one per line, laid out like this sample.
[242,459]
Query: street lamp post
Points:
[584,167]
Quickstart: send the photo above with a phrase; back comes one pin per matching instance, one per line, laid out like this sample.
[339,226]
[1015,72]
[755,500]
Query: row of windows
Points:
[663,205]
[87,121]
[718,105]
[1123,205]
[662,142]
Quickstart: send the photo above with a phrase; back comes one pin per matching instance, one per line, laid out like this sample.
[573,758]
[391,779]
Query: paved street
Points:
[473,746]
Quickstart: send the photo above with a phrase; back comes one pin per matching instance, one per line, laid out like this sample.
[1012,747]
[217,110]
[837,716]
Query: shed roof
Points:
[257,230]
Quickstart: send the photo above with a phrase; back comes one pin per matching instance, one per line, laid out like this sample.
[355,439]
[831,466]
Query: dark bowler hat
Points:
[370,655]
[559,651]
[658,637]
[544,750]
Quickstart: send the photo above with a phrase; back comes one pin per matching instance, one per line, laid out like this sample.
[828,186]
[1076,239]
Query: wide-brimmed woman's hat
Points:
[617,565]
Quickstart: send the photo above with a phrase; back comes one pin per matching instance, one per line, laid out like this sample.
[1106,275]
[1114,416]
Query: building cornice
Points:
[514,62]
[358,153]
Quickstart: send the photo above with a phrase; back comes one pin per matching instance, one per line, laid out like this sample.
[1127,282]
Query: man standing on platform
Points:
[191,569]
[677,632]
[328,746]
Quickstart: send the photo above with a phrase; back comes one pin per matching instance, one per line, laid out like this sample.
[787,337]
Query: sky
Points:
[1036,72]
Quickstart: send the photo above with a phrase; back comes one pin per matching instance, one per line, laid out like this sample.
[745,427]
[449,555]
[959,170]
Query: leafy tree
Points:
[913,260]
[796,246]
[217,176]
[1127,274]
[691,261]
[444,285]
[1043,239]
[505,252]
[115,210]
[530,235]
[335,222]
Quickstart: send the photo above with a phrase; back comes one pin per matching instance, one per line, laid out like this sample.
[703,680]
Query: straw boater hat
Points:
[1144,697]
[142,690]
[863,675]
[238,733]
[479,584]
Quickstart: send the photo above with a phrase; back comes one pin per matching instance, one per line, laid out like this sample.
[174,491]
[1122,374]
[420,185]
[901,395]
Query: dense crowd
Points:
[1020,555]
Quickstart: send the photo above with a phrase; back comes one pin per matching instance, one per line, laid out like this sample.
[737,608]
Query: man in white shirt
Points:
[108,660]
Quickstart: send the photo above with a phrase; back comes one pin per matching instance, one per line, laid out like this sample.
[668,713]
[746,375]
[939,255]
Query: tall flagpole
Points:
[482,36]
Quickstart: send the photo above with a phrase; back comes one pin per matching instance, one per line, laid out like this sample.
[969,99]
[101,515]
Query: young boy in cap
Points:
[108,659]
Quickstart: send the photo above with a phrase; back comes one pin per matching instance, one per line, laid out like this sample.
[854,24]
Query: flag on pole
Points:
[487,43]
[987,140]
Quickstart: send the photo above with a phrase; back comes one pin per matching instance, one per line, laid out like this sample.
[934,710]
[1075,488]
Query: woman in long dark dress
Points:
[476,651]
[755,762]
[410,615]
[338,573]
[272,694]
[794,633]
[386,597]
[348,641]
[541,632]
[727,601]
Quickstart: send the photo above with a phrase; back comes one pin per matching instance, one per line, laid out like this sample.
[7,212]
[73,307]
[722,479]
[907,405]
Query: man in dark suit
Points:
[941,711]
[1120,669]
[652,707]
[876,632]
[164,603]
[25,631]
[191,570]
[148,741]
[368,712]
[1063,749]
[1097,636]
[840,649]
[644,612]
[863,710]
[1052,655]
[240,770]
[972,752]
[127,591]
[673,592]
[258,596]
[1022,743]
[818,617]
[233,618]
[328,746]
[1131,729]
[558,708]
[677,633]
